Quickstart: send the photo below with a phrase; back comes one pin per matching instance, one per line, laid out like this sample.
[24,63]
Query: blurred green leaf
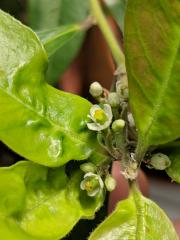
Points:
[136,218]
[152,37]
[46,14]
[37,121]
[41,203]
[117,9]
[174,170]
[54,39]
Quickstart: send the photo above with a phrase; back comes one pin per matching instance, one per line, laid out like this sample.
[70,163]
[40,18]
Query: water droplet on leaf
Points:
[55,147]
[26,95]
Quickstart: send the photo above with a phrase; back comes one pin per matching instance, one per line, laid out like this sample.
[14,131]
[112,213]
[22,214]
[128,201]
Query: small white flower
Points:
[92,183]
[101,117]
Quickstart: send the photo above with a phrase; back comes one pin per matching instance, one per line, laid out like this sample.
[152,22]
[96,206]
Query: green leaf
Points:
[136,218]
[152,37]
[40,203]
[174,170]
[54,39]
[47,14]
[37,121]
[117,9]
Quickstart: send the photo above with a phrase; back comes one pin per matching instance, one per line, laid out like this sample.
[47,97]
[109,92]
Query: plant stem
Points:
[140,151]
[108,34]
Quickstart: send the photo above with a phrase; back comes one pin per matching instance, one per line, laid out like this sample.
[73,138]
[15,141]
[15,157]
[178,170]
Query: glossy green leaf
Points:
[136,218]
[37,121]
[54,39]
[174,170]
[40,203]
[152,37]
[46,14]
[117,9]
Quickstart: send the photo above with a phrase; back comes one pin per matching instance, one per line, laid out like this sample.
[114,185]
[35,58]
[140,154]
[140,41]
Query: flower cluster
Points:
[116,132]
[101,115]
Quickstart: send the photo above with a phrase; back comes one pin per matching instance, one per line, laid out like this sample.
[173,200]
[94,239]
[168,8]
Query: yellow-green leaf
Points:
[39,203]
[136,218]
[37,121]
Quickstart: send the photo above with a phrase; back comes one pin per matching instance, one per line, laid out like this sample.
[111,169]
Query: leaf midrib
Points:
[139,205]
[70,134]
[73,29]
[165,83]
[162,91]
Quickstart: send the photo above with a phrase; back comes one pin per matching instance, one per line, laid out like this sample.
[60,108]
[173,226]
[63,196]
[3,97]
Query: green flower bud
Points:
[113,99]
[88,167]
[96,89]
[110,183]
[118,125]
[160,161]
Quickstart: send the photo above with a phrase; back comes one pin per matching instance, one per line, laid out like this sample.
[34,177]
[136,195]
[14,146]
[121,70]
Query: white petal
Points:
[94,126]
[82,185]
[93,193]
[100,182]
[108,111]
[106,124]
[92,111]
[90,174]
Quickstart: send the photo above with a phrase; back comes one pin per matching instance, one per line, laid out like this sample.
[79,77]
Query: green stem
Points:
[140,151]
[108,34]
[133,187]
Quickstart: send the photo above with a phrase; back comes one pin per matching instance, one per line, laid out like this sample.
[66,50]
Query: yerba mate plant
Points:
[137,121]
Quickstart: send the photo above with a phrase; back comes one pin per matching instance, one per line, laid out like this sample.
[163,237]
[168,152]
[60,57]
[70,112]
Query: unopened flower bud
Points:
[113,99]
[118,125]
[160,161]
[110,183]
[122,87]
[96,89]
[88,167]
